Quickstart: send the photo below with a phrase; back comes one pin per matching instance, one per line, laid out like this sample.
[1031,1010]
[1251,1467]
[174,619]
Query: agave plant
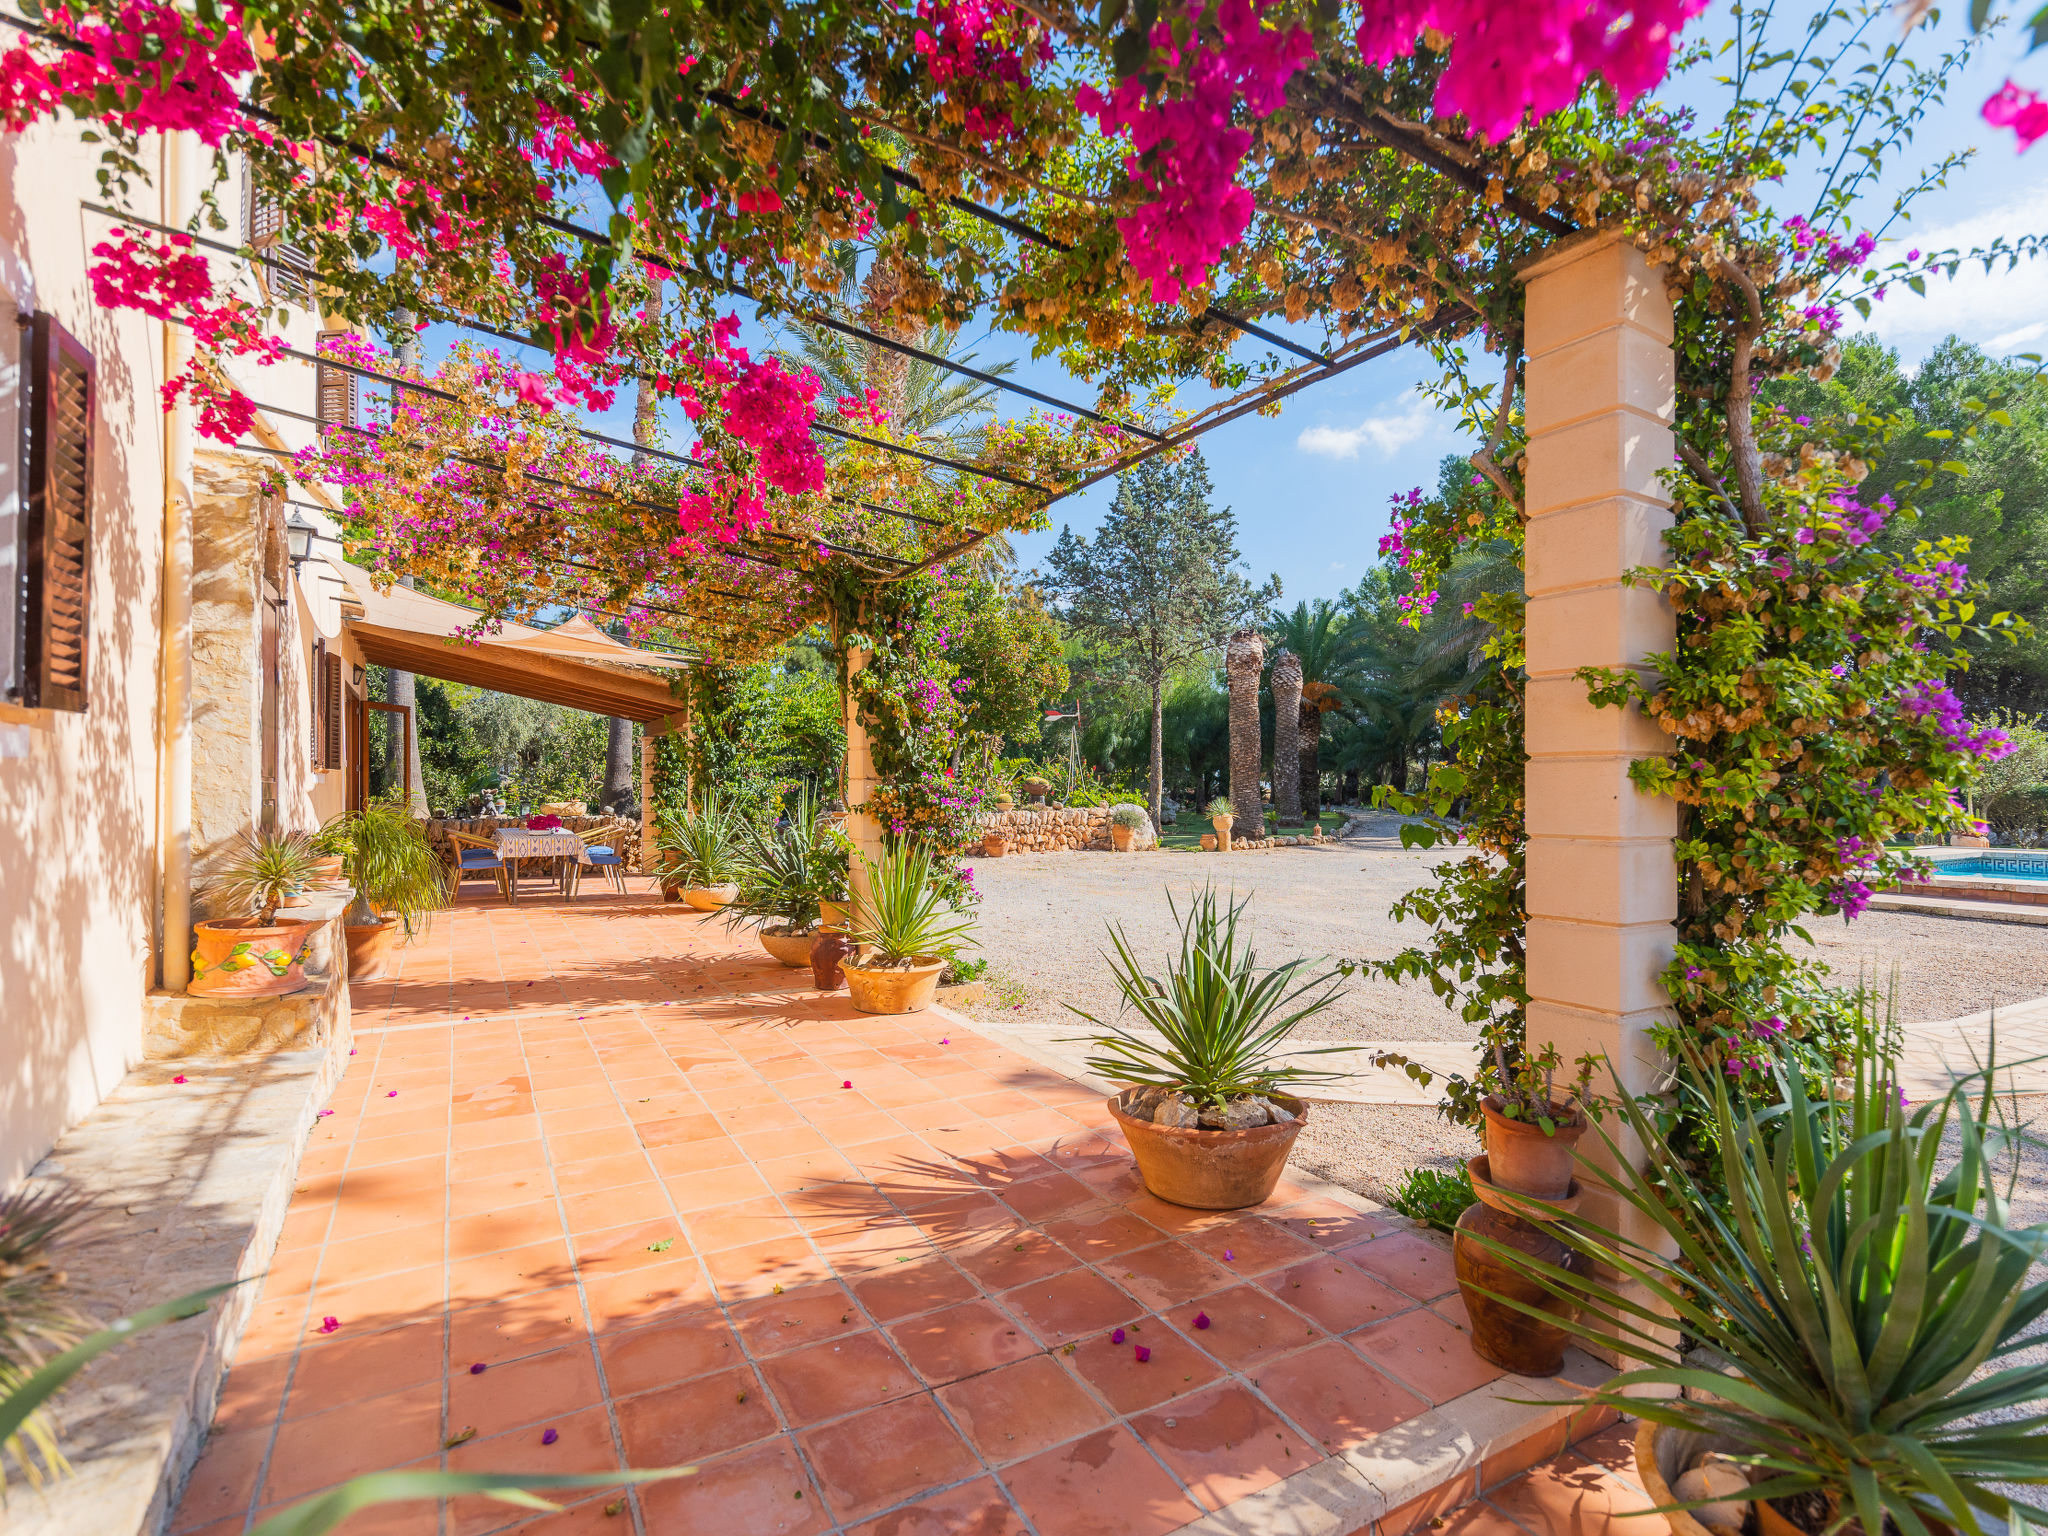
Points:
[787,870]
[265,871]
[700,845]
[1858,1282]
[900,915]
[1220,1021]
[23,1401]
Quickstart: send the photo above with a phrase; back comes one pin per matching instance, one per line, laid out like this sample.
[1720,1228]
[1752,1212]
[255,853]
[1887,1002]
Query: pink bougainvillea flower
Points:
[945,1041]
[329,1324]
[1141,1352]
[1117,1337]
[179,1078]
[2025,112]
[479,1368]
[1229,1256]
[323,1114]
[847,1084]
[549,1436]
[1201,1319]
[392,1094]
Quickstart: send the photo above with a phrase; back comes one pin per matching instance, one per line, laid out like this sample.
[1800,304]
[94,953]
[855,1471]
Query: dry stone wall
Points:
[1052,829]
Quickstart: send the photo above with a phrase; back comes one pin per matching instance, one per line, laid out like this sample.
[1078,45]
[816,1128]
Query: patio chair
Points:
[474,856]
[602,856]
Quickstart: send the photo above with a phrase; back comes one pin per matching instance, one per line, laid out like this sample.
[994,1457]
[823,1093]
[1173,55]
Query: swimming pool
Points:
[2003,864]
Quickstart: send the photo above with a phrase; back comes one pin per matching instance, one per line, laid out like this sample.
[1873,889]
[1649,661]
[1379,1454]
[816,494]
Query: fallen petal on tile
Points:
[1117,1337]
[547,1436]
[1143,1354]
[329,1324]
[479,1368]
[1201,1319]
[179,1078]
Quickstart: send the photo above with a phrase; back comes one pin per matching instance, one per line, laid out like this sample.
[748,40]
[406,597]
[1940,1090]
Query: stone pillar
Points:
[677,723]
[859,781]
[1602,875]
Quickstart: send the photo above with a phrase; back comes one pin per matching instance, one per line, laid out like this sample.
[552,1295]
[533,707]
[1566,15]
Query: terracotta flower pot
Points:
[790,949]
[247,959]
[709,898]
[835,916]
[827,951]
[994,845]
[1662,1456]
[1208,842]
[892,991]
[1121,837]
[1222,826]
[370,948]
[1503,1335]
[1524,1159]
[327,871]
[1211,1170]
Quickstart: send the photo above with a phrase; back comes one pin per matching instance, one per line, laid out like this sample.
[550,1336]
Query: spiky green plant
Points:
[786,871]
[265,871]
[901,914]
[35,1316]
[1221,1021]
[387,858]
[700,845]
[1858,1282]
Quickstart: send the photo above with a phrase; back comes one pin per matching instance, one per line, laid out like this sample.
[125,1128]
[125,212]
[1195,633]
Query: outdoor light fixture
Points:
[357,677]
[298,539]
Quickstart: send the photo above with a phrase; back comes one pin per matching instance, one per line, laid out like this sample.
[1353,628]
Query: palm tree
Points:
[1286,742]
[1326,641]
[1244,660]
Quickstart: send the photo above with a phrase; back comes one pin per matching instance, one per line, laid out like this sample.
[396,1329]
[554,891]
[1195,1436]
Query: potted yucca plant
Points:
[399,883]
[787,875]
[1851,1260]
[1221,814]
[700,852]
[905,930]
[256,954]
[1206,1113]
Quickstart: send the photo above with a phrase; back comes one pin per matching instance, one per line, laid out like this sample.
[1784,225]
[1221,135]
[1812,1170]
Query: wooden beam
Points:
[551,679]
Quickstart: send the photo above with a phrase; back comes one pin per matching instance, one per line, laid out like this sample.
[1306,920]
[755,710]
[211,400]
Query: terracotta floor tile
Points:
[479,1197]
[588,1177]
[1004,1259]
[516,1326]
[1072,1305]
[382,1301]
[760,1269]
[1254,1246]
[583,1443]
[1571,1495]
[525,1391]
[704,1416]
[1097,1235]
[1422,1351]
[1166,1273]
[759,1492]
[641,1295]
[492,1276]
[1179,1219]
[1329,1224]
[342,1368]
[327,1448]
[707,1188]
[836,1377]
[1333,1291]
[978,1508]
[1104,1484]
[1247,1325]
[512,1226]
[962,1340]
[1224,1443]
[901,1290]
[774,1325]
[1334,1397]
[690,1345]
[223,1482]
[741,1226]
[1409,1263]
[1022,1409]
[886,1456]
[622,1206]
[1130,1385]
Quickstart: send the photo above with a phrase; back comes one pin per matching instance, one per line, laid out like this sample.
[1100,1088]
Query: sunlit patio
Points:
[603,1187]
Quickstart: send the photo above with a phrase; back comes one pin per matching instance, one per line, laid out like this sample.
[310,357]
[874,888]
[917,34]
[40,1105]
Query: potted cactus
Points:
[256,954]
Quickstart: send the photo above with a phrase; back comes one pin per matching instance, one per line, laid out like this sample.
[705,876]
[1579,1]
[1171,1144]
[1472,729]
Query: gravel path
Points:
[1044,920]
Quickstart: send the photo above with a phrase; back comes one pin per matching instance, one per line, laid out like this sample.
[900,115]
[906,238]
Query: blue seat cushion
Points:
[603,855]
[477,858]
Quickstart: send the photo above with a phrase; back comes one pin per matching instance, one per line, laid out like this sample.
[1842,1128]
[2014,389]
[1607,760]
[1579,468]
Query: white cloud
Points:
[1976,305]
[1387,432]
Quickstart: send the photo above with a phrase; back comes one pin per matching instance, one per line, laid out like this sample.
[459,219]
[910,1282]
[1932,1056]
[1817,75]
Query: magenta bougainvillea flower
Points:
[1141,1352]
[1201,1319]
[478,1369]
[329,1324]
[1117,1337]
[549,1436]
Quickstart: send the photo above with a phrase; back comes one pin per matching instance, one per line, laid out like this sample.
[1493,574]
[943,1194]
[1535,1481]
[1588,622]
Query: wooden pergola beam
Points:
[588,686]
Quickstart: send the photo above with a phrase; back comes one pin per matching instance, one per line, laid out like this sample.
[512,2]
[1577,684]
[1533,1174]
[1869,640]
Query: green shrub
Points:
[1432,1196]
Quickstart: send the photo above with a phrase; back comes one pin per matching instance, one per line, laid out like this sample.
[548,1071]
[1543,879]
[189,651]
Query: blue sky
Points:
[1310,487]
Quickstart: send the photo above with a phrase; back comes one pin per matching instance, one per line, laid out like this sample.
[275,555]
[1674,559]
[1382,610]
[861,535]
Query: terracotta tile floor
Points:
[604,1170]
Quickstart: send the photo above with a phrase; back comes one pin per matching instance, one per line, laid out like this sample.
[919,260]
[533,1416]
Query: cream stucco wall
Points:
[80,899]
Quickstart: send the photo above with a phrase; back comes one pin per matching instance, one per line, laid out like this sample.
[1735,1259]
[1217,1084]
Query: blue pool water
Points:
[2020,864]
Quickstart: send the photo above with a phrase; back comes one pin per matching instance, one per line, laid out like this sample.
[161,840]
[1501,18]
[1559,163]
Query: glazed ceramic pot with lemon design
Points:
[249,959]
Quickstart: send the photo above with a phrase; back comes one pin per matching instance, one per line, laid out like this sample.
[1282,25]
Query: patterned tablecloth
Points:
[518,843]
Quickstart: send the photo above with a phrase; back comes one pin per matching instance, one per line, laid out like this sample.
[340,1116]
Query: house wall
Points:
[80,897]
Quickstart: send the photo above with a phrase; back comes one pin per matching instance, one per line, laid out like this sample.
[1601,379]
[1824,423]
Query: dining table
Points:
[557,845]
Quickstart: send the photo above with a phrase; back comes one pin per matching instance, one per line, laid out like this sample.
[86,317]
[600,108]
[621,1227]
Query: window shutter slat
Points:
[316,705]
[59,428]
[334,391]
[285,270]
[331,692]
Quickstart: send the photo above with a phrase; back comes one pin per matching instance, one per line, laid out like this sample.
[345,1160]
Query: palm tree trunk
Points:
[1351,786]
[1286,743]
[1156,782]
[1244,661]
[1309,743]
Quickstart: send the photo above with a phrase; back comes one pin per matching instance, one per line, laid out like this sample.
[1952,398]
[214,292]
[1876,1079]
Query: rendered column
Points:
[1602,873]
[861,826]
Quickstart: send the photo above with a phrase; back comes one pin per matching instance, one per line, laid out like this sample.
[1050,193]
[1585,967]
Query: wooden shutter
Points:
[57,418]
[334,391]
[284,270]
[331,712]
[316,704]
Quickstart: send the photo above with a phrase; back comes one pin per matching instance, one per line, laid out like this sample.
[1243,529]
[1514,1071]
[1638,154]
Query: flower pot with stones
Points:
[786,945]
[1185,1163]
[878,986]
[370,946]
[709,898]
[1525,1158]
[247,958]
[1680,1465]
